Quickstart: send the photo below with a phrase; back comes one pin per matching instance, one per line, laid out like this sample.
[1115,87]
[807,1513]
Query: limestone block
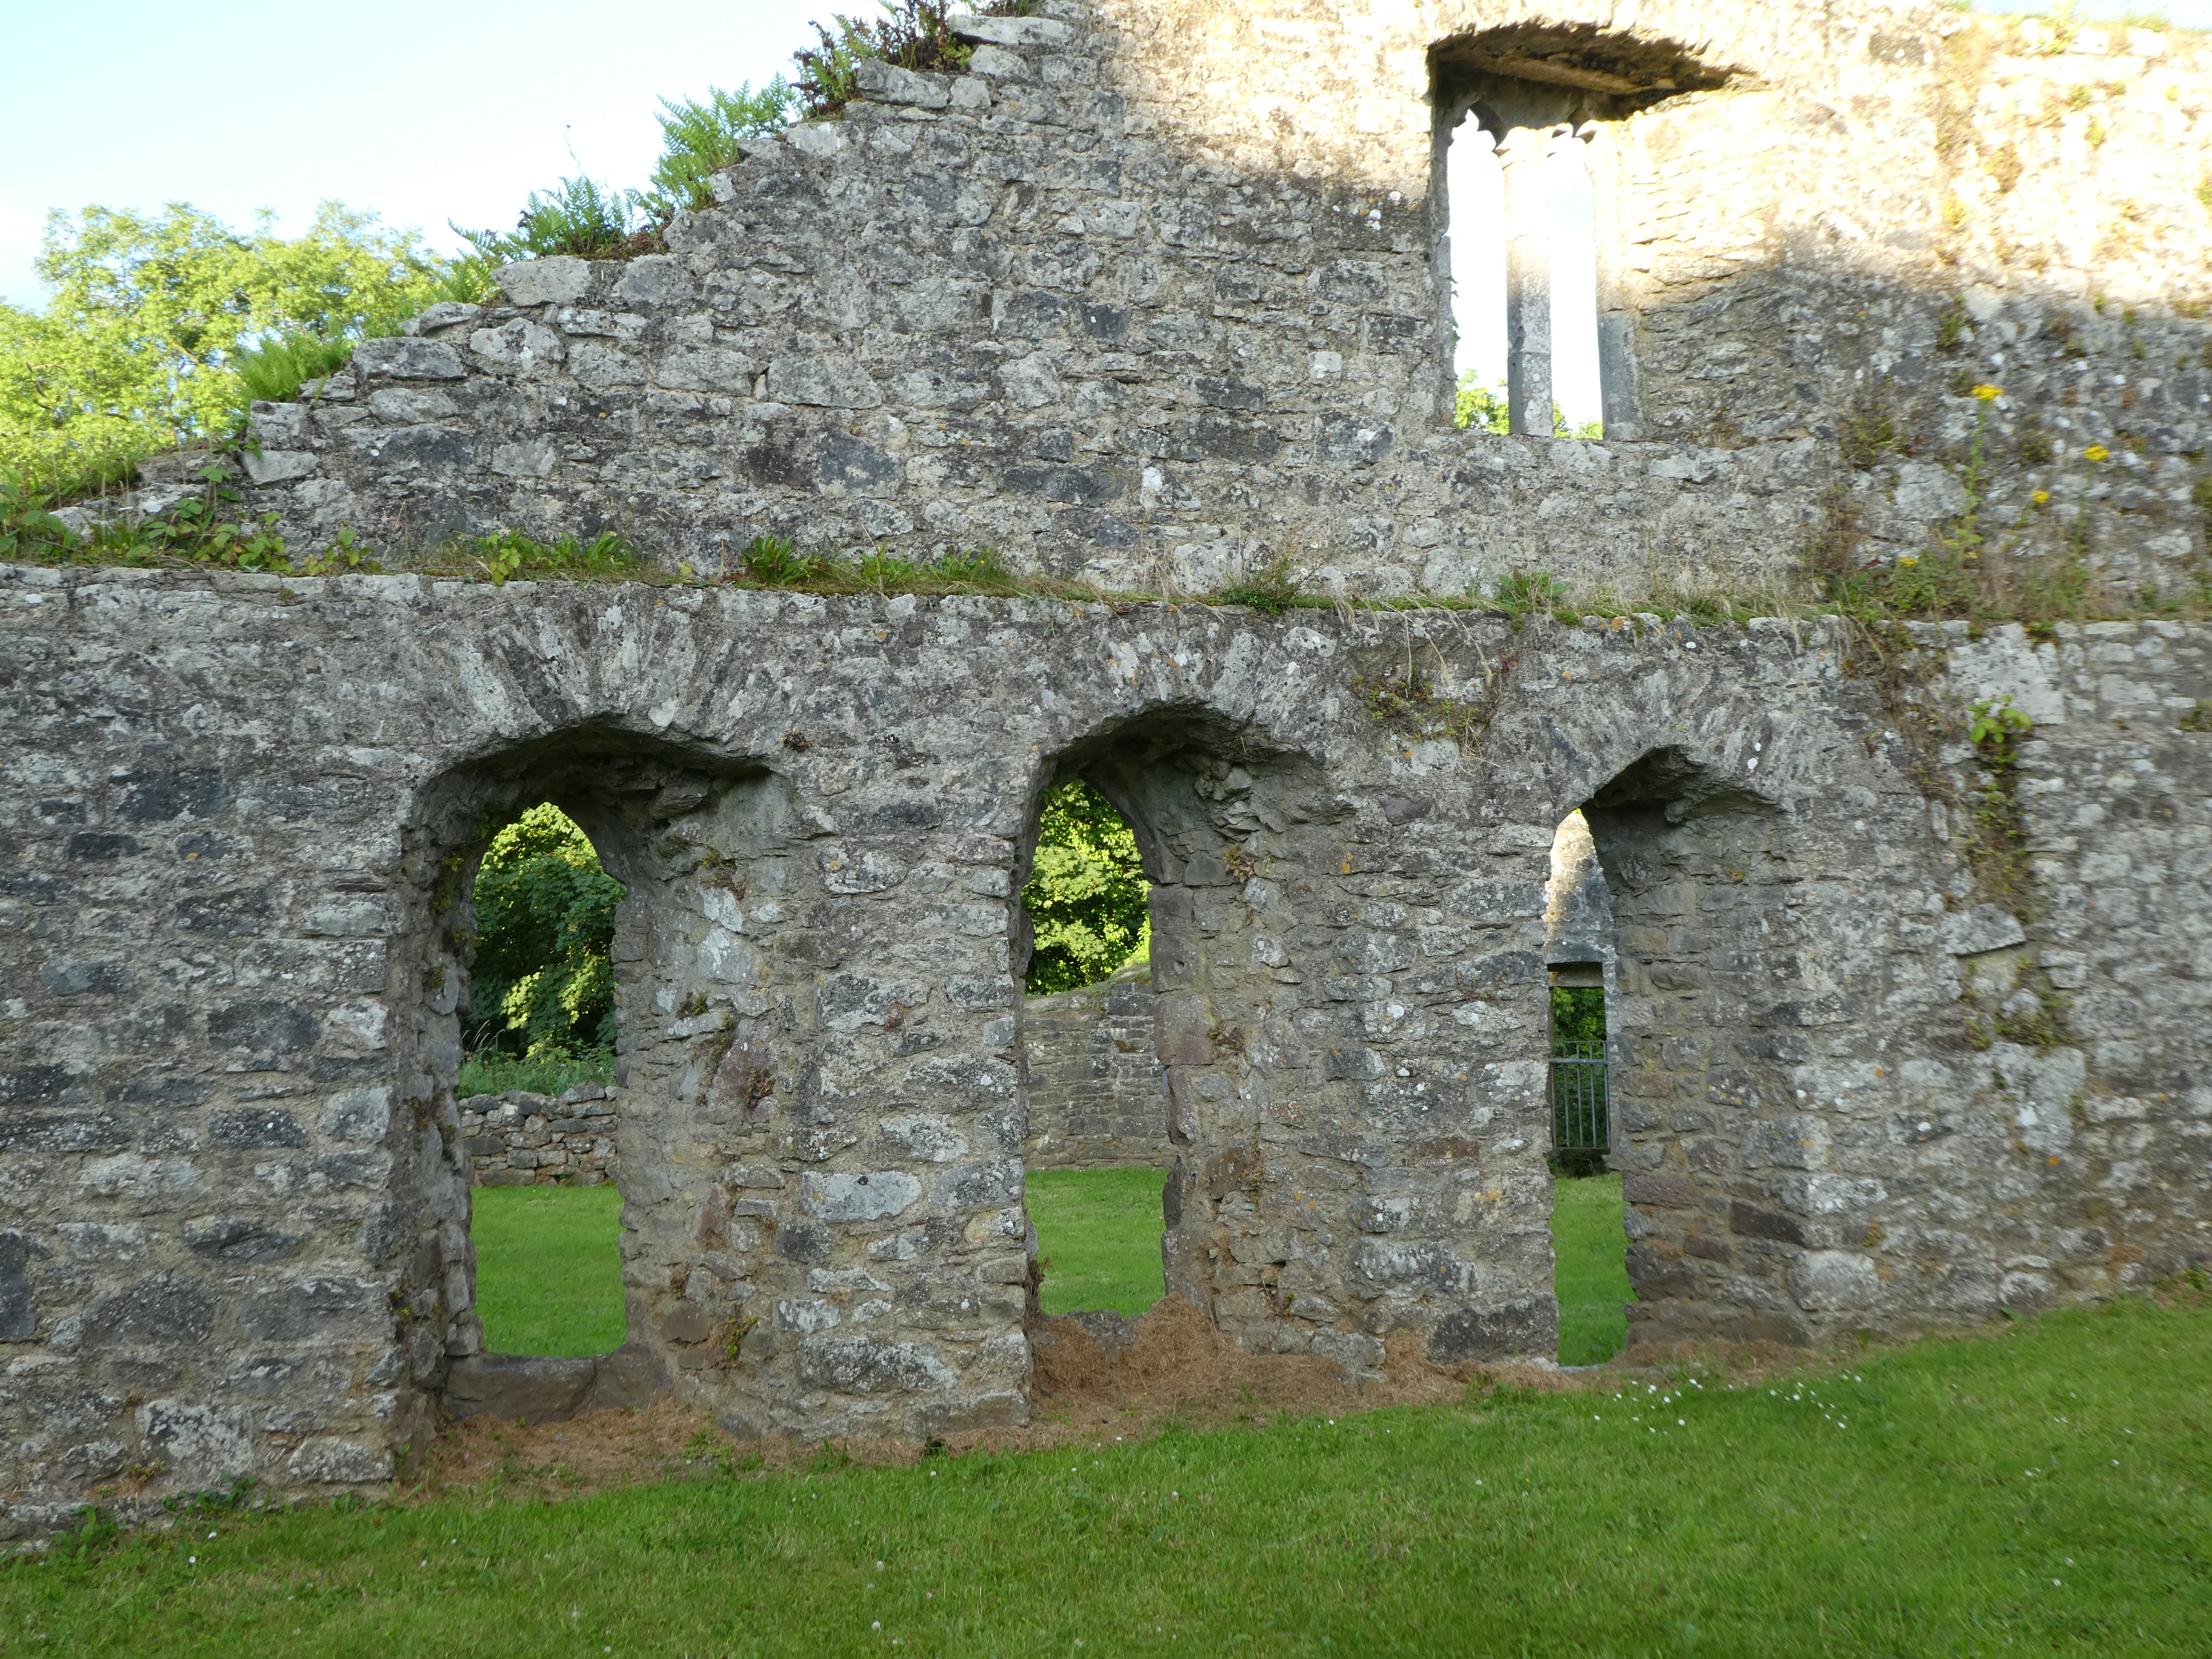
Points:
[531,459]
[560,280]
[825,382]
[1010,31]
[396,357]
[655,279]
[406,406]
[1833,1281]
[520,344]
[895,85]
[1986,927]
[707,369]
[280,465]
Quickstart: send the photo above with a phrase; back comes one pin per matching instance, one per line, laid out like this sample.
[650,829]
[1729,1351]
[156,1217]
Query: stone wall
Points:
[1151,296]
[1135,300]
[523,1139]
[236,908]
[1096,1097]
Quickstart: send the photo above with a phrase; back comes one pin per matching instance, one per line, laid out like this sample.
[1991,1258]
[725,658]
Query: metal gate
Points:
[1580,1121]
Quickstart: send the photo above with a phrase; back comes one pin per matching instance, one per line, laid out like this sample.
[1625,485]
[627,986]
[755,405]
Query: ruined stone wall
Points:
[1147,296]
[1096,1098]
[524,1140]
[240,815]
[1150,296]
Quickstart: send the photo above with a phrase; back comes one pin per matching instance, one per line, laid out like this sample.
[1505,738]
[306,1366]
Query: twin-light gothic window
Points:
[1524,262]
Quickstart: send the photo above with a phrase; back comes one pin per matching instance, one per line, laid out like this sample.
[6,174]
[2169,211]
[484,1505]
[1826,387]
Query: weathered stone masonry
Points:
[523,1139]
[1067,306]
[1152,296]
[232,1159]
[1096,1096]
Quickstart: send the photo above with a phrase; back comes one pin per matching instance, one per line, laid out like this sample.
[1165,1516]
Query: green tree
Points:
[138,349]
[1087,896]
[545,917]
[1577,1014]
[1479,404]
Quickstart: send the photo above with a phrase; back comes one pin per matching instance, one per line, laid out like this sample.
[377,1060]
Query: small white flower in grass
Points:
[879,1566]
[875,1624]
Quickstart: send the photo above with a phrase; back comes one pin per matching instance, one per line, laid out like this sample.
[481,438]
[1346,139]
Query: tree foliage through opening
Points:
[1087,896]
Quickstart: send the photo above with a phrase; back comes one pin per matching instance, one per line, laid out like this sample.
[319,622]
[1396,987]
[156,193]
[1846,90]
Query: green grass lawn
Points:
[1591,1274]
[549,1271]
[2040,1491]
[1099,1230]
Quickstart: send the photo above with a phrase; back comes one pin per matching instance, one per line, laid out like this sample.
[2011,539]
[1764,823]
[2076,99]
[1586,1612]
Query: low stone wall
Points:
[523,1139]
[1097,1099]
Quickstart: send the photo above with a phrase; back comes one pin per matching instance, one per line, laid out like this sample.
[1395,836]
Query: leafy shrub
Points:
[492,1070]
[543,986]
[1087,897]
[699,138]
[1479,405]
[911,34]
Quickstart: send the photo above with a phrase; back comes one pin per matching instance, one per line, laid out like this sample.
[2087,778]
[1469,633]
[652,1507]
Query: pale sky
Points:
[416,110]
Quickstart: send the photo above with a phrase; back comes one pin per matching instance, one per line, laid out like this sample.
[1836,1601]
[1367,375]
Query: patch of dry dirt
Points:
[1179,1369]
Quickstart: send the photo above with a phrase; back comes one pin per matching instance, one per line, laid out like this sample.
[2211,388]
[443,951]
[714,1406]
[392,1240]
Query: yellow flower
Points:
[2096,453]
[1985,392]
[1908,558]
[2041,498]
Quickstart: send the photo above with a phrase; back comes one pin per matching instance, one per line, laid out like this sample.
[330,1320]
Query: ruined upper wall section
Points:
[1070,307]
[1842,135]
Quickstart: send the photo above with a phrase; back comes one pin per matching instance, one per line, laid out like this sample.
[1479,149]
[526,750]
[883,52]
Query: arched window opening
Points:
[1096,1152]
[539,1108]
[1588,1221]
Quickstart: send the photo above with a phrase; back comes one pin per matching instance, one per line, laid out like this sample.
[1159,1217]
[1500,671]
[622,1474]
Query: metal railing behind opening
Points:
[1580,1119]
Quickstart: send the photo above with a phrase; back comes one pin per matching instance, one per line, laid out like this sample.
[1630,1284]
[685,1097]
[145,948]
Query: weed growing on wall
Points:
[507,556]
[1270,590]
[775,561]
[2029,1011]
[1997,849]
[700,136]
[578,217]
[911,34]
[1405,699]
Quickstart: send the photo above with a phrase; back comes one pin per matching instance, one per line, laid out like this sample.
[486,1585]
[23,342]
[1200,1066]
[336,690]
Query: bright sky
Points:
[418,112]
